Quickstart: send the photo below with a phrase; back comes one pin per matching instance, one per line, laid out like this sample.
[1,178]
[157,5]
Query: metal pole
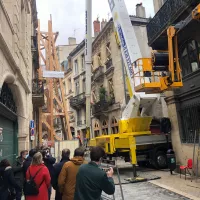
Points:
[120,184]
[88,62]
[124,80]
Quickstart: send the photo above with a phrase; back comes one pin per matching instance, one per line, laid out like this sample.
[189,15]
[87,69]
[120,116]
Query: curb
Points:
[175,191]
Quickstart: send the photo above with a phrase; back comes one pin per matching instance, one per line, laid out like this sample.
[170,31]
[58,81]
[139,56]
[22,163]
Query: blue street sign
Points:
[32,131]
[32,125]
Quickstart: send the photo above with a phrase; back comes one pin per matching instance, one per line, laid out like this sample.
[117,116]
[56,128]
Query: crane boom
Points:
[131,52]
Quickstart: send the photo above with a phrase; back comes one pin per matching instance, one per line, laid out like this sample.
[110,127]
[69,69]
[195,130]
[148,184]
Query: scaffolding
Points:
[55,108]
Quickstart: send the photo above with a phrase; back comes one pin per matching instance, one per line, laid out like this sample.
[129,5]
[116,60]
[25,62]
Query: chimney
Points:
[71,41]
[103,23]
[140,10]
[96,25]
[158,4]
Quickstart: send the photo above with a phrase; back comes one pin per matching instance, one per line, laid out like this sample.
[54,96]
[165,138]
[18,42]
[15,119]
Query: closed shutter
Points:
[7,141]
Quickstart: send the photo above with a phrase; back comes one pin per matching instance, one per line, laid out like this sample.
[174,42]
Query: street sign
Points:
[32,137]
[53,74]
[32,131]
[32,124]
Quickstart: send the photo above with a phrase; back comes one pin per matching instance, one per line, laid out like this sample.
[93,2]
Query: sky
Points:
[68,16]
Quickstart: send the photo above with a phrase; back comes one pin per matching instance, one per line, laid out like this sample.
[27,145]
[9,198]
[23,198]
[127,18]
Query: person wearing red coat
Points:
[42,178]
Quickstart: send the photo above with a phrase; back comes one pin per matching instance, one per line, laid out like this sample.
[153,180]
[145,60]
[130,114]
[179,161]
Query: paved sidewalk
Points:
[178,185]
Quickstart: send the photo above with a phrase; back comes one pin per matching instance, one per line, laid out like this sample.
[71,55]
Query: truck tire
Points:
[160,160]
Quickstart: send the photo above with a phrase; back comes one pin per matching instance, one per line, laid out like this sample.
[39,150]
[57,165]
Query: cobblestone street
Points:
[147,191]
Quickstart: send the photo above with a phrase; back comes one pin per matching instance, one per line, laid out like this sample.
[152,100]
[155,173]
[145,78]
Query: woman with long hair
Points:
[39,172]
[8,185]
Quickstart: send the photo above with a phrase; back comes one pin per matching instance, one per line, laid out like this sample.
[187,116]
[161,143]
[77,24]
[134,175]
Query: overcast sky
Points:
[69,15]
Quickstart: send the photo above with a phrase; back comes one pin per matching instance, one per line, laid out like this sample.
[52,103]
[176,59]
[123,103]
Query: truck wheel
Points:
[161,160]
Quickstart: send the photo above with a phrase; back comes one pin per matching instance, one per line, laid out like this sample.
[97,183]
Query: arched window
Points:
[105,127]
[96,129]
[189,57]
[114,126]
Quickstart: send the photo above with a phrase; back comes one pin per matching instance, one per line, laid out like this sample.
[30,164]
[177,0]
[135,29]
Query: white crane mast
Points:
[131,52]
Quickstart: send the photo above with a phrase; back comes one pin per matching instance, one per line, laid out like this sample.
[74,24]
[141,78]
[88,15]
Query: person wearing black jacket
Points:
[49,161]
[28,160]
[57,170]
[9,184]
[18,172]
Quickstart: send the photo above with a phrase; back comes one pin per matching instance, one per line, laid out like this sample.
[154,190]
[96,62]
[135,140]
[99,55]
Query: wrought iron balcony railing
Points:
[167,15]
[38,92]
[78,101]
[37,87]
[99,107]
[109,64]
[98,73]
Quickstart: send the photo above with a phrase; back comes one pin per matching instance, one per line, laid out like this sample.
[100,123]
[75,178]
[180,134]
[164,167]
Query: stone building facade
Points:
[77,86]
[16,29]
[183,103]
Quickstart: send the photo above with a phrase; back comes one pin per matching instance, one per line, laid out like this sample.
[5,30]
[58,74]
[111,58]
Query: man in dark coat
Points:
[91,180]
[28,160]
[18,172]
[57,170]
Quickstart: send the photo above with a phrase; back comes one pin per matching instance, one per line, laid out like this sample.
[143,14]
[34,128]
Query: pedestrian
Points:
[10,186]
[57,170]
[28,160]
[40,174]
[18,172]
[67,177]
[49,161]
[91,180]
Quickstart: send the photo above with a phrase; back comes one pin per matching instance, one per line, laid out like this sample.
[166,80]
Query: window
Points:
[84,85]
[105,127]
[108,51]
[83,62]
[114,126]
[111,88]
[99,59]
[75,67]
[96,129]
[77,88]
[190,121]
[79,121]
[69,85]
[189,57]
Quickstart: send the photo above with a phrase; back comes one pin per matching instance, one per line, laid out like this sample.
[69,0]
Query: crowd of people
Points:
[36,172]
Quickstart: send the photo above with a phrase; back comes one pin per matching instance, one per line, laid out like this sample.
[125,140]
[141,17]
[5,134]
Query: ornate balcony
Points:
[98,73]
[37,93]
[172,12]
[78,101]
[109,66]
[81,123]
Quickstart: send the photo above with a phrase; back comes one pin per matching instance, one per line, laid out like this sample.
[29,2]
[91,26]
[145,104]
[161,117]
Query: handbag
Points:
[11,194]
[30,187]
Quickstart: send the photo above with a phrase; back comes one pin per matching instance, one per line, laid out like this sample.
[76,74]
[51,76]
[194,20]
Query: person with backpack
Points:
[57,170]
[37,180]
[8,185]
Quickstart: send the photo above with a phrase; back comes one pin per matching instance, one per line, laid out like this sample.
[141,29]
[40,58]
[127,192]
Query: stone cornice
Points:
[7,53]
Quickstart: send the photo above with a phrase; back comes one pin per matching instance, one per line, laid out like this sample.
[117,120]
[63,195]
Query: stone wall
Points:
[16,60]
